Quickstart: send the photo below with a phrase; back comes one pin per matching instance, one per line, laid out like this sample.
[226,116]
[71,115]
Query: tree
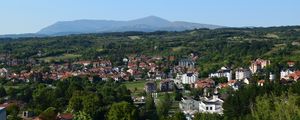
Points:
[49,114]
[164,105]
[150,108]
[207,116]
[178,116]
[13,110]
[122,111]
[82,116]
[2,92]
[178,95]
[75,104]
[91,104]
[284,107]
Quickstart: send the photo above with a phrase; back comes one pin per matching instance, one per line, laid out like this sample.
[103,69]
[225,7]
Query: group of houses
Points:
[186,74]
[133,68]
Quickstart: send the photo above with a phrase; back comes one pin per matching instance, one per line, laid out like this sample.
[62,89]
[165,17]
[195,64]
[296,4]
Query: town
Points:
[152,75]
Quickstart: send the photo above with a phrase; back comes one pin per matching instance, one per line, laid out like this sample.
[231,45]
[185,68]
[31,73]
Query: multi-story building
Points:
[189,78]
[187,63]
[242,73]
[258,65]
[223,72]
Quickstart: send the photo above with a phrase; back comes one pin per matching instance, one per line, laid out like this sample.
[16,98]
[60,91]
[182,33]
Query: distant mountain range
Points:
[147,24]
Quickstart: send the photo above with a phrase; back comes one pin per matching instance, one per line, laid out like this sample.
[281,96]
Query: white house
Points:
[206,105]
[187,63]
[223,72]
[241,74]
[189,78]
[211,105]
[284,73]
[189,106]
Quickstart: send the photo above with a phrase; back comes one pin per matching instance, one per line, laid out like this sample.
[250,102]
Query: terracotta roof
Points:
[261,81]
[66,116]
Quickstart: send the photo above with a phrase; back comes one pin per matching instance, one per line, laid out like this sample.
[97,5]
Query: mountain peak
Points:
[145,24]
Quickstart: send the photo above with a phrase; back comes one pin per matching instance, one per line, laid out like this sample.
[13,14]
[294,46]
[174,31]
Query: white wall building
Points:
[241,74]
[223,72]
[213,105]
[187,63]
[189,78]
[205,105]
[284,73]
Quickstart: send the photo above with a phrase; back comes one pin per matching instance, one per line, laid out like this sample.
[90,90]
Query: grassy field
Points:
[61,57]
[137,86]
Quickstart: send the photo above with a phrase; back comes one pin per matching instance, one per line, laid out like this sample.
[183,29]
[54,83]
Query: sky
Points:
[29,16]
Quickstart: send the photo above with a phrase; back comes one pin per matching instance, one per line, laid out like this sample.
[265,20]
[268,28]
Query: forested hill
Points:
[227,46]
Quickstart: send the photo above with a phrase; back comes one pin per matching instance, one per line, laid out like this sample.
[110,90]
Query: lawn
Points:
[137,86]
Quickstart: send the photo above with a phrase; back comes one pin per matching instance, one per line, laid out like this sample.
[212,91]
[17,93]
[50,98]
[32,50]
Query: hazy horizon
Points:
[32,15]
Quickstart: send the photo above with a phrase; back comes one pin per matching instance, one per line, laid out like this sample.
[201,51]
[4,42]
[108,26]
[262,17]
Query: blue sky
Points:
[27,16]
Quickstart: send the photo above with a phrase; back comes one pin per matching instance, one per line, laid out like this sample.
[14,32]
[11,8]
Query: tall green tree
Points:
[178,116]
[150,108]
[82,116]
[164,105]
[2,92]
[270,107]
[122,111]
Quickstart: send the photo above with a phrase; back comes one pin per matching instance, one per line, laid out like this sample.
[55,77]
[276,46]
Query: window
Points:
[210,108]
[206,108]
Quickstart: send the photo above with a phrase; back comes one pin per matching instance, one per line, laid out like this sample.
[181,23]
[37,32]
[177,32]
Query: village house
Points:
[186,63]
[189,78]
[258,65]
[166,85]
[261,82]
[189,106]
[294,76]
[223,72]
[284,74]
[150,87]
[211,105]
[206,83]
[242,73]
[233,84]
[65,116]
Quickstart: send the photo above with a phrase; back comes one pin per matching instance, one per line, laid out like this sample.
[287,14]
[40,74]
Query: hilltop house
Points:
[205,105]
[206,83]
[189,78]
[258,65]
[295,76]
[187,63]
[189,106]
[241,74]
[223,72]
[284,74]
[211,105]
